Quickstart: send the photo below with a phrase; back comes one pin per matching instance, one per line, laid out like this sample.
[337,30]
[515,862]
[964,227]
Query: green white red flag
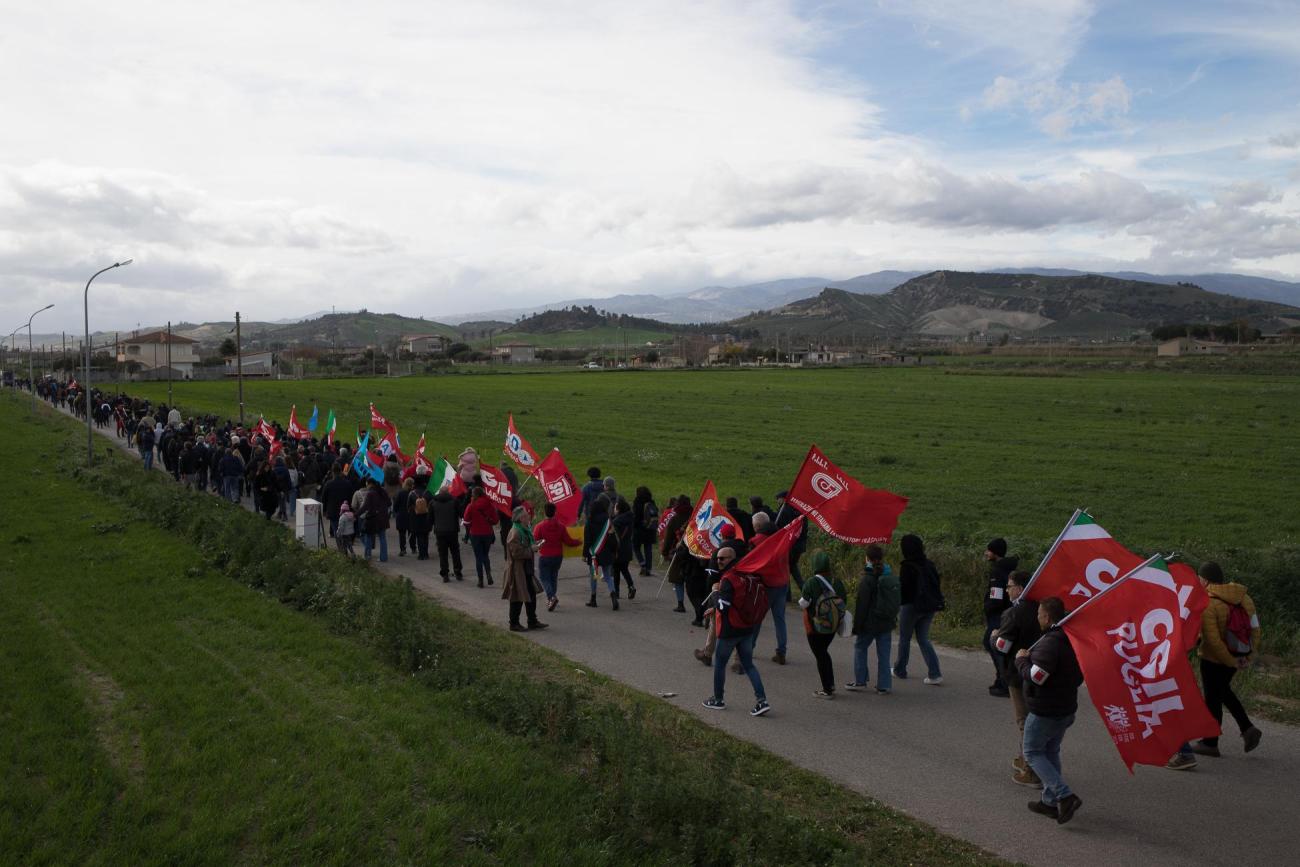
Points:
[443,476]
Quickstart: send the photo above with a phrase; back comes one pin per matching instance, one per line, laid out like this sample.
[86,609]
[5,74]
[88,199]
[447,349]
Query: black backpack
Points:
[650,516]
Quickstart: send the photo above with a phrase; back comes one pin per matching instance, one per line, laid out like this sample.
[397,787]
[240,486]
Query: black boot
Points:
[613,600]
[592,602]
[631,589]
[680,609]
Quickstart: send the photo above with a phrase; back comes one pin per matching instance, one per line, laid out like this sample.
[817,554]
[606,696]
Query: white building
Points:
[255,364]
[150,352]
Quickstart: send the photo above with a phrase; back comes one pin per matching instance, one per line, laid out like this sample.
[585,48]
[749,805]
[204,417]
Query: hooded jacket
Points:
[995,596]
[876,610]
[1214,622]
[446,514]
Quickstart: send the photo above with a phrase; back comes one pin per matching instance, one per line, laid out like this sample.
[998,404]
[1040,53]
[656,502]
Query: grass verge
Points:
[154,710]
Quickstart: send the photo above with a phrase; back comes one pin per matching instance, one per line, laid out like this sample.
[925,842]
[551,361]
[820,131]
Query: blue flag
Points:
[361,462]
[314,420]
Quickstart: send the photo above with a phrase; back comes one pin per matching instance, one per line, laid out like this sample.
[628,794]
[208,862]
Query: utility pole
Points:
[169,365]
[239,367]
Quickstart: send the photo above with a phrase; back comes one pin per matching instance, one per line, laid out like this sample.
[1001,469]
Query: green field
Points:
[182,683]
[1201,463]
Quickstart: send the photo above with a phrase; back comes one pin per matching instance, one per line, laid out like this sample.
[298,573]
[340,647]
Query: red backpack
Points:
[748,600]
[1238,633]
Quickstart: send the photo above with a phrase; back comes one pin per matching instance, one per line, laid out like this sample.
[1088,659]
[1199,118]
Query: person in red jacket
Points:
[551,536]
[481,520]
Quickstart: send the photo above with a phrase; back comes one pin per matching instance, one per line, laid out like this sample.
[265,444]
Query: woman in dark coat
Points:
[266,489]
[520,586]
[624,531]
[645,521]
[599,548]
[401,515]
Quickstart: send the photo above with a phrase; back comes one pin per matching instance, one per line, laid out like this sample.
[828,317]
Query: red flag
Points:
[770,558]
[1130,644]
[1197,602]
[1082,562]
[378,422]
[559,488]
[276,448]
[664,518]
[518,449]
[841,505]
[497,488]
[704,530]
[296,430]
[264,429]
[390,445]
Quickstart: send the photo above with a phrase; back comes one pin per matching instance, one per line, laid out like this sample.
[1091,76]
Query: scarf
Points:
[525,533]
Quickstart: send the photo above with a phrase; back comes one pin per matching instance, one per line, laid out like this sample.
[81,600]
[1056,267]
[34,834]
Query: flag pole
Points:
[1118,581]
[1051,551]
[666,571]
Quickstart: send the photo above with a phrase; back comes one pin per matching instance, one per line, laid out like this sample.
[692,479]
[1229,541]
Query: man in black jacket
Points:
[334,493]
[995,602]
[1017,631]
[1052,678]
[446,513]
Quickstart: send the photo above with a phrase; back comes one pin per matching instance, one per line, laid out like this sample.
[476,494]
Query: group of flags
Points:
[1131,621]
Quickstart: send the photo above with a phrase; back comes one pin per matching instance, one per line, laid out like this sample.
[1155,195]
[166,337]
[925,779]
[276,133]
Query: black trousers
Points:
[1216,680]
[449,543]
[820,645]
[622,576]
[530,606]
[420,542]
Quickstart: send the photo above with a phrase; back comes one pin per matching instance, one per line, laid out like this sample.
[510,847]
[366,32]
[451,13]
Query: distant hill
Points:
[954,303]
[1241,285]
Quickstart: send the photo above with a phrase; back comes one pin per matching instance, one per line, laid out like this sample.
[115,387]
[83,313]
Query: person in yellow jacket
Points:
[1229,641]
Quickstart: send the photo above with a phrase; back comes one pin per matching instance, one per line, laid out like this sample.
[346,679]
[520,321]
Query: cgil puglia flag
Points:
[443,475]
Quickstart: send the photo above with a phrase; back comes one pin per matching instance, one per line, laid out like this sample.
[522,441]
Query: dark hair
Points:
[622,506]
[875,552]
[476,492]
[643,493]
[1054,607]
[1212,572]
[998,547]
[549,510]
[756,501]
[1019,576]
[912,547]
[593,472]
[732,503]
[682,498]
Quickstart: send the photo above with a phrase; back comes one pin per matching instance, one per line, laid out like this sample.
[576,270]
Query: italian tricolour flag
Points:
[444,474]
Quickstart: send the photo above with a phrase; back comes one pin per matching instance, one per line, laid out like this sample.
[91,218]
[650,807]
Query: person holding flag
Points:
[1052,678]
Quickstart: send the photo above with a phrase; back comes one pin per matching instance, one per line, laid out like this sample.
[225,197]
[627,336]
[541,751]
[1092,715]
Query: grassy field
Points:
[181,683]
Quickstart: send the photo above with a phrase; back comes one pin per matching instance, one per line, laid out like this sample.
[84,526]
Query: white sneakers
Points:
[933,681]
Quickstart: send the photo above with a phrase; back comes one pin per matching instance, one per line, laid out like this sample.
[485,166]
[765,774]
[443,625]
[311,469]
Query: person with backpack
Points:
[1052,678]
[144,440]
[742,602]
[1229,640]
[874,617]
[822,601]
[645,519]
[921,598]
[419,523]
[995,602]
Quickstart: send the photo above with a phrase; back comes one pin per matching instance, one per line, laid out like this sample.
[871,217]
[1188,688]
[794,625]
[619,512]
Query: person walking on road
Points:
[1052,677]
[375,513]
[624,529]
[645,520]
[735,620]
[996,602]
[874,617]
[481,520]
[921,598]
[551,537]
[445,511]
[520,586]
[822,601]
[600,548]
[1017,630]
[1229,640]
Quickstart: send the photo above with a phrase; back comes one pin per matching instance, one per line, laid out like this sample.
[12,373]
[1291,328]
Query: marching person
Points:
[551,536]
[996,602]
[599,548]
[446,532]
[520,585]
[734,633]
[822,601]
[624,530]
[675,553]
[1229,640]
[645,520]
[921,597]
[481,521]
[874,617]
[1017,630]
[1052,677]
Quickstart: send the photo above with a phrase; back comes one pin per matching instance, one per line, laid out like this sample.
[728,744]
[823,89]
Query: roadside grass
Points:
[153,709]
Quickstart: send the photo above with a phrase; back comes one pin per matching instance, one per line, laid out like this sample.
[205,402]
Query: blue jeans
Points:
[548,571]
[481,545]
[645,554]
[861,646]
[909,623]
[230,488]
[680,590]
[605,572]
[369,540]
[744,647]
[776,598]
[147,457]
[1042,749]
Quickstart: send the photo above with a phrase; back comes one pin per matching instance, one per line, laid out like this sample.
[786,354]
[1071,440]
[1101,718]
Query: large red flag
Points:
[296,430]
[497,488]
[770,558]
[559,487]
[390,445]
[518,449]
[1085,560]
[1130,644]
[841,505]
[704,530]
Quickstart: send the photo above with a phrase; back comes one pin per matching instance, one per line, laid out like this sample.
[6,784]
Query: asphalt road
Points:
[941,754]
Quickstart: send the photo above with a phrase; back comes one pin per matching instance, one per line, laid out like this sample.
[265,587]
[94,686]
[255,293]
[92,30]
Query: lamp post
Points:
[31,373]
[90,431]
[12,337]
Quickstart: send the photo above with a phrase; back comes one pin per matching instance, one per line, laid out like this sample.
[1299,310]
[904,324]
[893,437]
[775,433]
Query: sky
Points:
[443,158]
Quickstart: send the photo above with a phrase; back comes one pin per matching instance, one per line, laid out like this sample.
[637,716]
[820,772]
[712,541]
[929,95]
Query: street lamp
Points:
[90,433]
[13,348]
[31,373]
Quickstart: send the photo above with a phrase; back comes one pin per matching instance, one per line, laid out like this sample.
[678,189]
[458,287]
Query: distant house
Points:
[150,351]
[516,353]
[425,344]
[813,355]
[255,364]
[1189,346]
